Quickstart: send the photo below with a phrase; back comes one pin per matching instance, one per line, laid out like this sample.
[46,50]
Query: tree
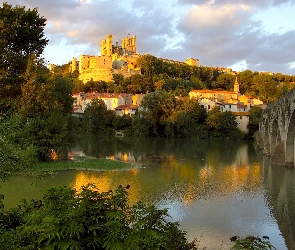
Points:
[86,219]
[245,79]
[21,35]
[46,102]
[224,82]
[156,110]
[193,109]
[254,118]
[150,65]
[266,88]
[17,152]
[252,242]
[97,119]
[118,78]
[214,118]
[222,124]
[137,84]
[42,92]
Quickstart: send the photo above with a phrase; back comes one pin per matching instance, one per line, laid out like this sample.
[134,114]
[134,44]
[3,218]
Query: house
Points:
[126,110]
[77,111]
[242,119]
[111,100]
[213,94]
[207,104]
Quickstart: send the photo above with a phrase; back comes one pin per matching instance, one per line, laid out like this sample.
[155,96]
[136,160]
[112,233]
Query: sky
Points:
[258,35]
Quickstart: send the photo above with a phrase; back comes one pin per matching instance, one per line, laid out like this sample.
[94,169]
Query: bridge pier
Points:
[276,135]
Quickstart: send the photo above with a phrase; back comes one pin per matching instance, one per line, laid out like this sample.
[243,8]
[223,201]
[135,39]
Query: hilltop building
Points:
[113,59]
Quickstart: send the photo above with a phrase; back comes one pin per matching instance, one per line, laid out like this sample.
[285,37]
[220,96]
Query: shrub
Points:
[67,219]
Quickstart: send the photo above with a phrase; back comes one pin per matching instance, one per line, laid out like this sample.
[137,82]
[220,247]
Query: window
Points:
[202,106]
[229,106]
[241,117]
[208,106]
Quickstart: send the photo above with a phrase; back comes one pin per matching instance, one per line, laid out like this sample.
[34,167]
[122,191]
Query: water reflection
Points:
[215,189]
[280,194]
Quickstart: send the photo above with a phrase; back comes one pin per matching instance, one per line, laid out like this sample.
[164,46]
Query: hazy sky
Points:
[241,34]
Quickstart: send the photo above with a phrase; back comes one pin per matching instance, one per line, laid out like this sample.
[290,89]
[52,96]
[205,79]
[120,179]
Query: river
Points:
[215,188]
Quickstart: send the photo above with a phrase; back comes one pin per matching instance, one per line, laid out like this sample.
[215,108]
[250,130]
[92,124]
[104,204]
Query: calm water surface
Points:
[215,189]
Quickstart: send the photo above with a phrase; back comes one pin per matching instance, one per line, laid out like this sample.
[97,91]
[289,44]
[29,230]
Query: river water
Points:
[216,189]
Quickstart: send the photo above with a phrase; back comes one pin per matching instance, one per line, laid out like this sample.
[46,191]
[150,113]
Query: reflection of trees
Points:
[185,169]
[280,194]
[224,151]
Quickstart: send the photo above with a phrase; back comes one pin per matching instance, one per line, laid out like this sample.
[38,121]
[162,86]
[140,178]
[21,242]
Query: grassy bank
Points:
[83,163]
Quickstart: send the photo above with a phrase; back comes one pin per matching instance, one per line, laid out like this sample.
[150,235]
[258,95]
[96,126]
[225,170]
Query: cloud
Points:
[217,32]
[224,35]
[207,16]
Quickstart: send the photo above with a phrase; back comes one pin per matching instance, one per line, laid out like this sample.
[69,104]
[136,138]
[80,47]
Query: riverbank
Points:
[81,163]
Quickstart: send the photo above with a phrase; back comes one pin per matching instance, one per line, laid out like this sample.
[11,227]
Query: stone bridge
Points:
[276,133]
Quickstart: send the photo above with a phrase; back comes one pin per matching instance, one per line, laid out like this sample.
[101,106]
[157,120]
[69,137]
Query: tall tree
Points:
[150,65]
[224,82]
[246,81]
[222,124]
[46,101]
[254,118]
[266,88]
[97,119]
[21,35]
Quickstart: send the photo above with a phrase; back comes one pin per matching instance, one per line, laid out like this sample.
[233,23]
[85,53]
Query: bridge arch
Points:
[290,142]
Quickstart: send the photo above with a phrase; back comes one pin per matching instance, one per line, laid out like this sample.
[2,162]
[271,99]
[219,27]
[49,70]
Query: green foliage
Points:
[163,115]
[118,78]
[222,124]
[21,34]
[17,153]
[123,123]
[171,74]
[245,79]
[266,88]
[46,102]
[51,133]
[43,93]
[97,119]
[252,243]
[224,82]
[254,118]
[81,163]
[150,65]
[67,219]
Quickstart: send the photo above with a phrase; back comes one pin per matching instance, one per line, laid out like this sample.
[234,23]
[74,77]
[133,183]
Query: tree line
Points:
[162,114]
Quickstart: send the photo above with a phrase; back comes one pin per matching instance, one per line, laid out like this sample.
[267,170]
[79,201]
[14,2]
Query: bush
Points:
[251,243]
[67,219]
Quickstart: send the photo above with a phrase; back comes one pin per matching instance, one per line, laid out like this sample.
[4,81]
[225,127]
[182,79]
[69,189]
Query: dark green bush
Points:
[67,219]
